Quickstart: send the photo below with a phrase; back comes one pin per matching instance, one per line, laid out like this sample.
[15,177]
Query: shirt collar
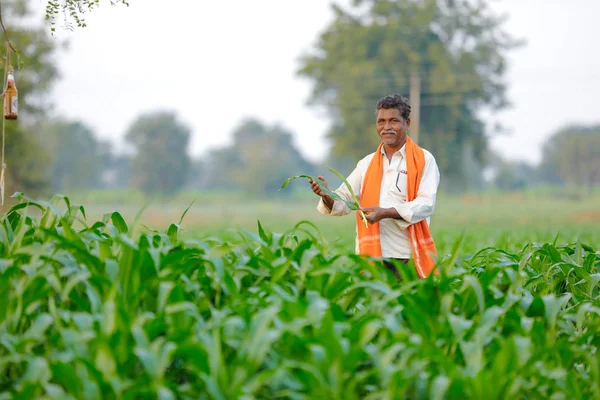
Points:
[402,151]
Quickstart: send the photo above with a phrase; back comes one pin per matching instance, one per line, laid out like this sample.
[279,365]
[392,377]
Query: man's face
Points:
[392,127]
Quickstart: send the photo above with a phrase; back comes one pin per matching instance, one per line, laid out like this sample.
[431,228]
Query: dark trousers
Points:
[390,265]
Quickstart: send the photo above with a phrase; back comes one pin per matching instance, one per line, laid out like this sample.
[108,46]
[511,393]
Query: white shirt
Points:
[393,232]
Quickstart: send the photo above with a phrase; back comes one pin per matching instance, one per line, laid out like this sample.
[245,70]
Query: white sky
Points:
[195,57]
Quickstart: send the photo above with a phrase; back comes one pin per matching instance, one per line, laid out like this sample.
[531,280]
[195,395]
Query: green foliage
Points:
[73,9]
[353,205]
[161,163]
[103,309]
[260,158]
[372,48]
[573,154]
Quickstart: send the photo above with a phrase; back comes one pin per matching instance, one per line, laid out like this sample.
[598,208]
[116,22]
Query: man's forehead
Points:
[388,113]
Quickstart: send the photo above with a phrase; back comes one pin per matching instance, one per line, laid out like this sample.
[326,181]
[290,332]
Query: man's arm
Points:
[337,208]
[413,211]
[376,214]
[328,201]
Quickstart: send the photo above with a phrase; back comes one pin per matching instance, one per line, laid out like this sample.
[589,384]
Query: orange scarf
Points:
[420,238]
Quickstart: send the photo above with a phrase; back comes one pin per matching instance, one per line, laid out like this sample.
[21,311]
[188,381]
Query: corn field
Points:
[103,309]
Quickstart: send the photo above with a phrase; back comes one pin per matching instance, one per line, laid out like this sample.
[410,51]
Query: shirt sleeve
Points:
[401,223]
[339,207]
[423,205]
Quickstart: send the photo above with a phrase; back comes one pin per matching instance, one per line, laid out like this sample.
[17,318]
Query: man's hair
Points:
[395,101]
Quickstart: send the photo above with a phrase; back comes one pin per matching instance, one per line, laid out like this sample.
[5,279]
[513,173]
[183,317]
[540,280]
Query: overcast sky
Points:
[216,62]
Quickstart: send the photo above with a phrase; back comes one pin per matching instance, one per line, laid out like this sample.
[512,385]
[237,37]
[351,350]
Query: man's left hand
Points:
[375,214]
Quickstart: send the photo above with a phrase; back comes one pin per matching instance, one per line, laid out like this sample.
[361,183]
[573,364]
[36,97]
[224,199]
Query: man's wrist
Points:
[328,201]
[391,213]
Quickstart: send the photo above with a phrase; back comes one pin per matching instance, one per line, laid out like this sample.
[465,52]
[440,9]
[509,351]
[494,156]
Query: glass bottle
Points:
[11,97]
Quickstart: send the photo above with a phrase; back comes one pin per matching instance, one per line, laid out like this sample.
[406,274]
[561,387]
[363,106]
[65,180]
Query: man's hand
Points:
[376,214]
[317,190]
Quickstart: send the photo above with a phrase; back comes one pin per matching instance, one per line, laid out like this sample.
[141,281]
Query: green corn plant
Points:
[94,309]
[353,205]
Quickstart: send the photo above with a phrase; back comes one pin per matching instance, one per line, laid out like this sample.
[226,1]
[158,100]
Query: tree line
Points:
[260,158]
[571,156]
[157,161]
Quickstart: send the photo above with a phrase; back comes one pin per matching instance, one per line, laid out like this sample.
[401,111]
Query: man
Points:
[396,187]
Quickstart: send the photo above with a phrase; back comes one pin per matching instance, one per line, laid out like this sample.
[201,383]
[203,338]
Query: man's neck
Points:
[389,150]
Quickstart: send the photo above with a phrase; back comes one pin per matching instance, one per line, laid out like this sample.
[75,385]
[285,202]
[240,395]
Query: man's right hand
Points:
[317,190]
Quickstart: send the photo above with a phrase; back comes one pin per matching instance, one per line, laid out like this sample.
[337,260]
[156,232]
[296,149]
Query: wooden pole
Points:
[415,105]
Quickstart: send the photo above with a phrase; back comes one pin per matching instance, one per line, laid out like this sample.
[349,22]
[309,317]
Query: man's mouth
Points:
[388,133]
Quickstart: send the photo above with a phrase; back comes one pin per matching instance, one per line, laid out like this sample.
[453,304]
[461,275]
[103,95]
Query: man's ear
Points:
[407,122]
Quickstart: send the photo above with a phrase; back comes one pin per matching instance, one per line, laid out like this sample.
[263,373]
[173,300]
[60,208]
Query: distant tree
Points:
[221,165]
[161,162]
[27,163]
[512,176]
[573,154]
[197,174]
[260,159]
[117,171]
[373,47]
[77,156]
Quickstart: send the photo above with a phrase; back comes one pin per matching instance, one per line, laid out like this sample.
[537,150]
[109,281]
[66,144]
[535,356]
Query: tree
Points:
[197,175]
[74,9]
[512,176]
[260,159]
[161,163]
[26,156]
[117,175]
[573,154]
[77,157]
[373,47]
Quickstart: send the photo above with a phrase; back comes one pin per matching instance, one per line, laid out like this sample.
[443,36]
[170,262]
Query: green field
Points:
[113,307]
[505,221]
